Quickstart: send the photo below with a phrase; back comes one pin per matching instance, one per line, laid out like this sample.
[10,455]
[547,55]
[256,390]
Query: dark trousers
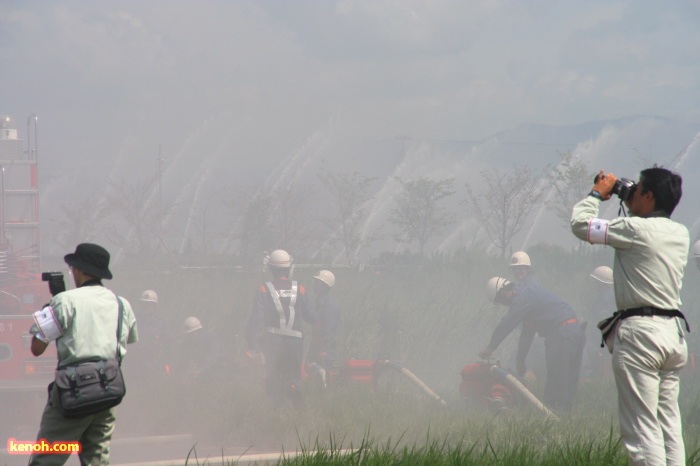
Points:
[563,350]
[283,358]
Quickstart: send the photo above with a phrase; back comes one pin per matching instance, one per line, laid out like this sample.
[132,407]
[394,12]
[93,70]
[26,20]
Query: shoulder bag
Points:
[89,387]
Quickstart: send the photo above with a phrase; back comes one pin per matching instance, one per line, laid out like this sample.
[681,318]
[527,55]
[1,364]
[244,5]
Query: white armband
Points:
[48,325]
[598,231]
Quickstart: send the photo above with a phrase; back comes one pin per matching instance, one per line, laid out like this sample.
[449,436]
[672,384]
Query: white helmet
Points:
[149,296]
[192,324]
[326,276]
[519,258]
[495,285]
[279,259]
[695,250]
[603,274]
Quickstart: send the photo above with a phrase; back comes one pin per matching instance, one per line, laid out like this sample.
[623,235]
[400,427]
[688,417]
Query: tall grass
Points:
[438,452]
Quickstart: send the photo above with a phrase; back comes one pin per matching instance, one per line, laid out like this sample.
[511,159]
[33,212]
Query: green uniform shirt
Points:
[88,317]
[650,256]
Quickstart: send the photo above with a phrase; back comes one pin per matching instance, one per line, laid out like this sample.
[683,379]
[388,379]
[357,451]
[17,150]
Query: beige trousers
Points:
[648,354]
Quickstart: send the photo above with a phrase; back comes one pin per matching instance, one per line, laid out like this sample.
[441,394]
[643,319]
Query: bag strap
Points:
[72,377]
[120,320]
[119,328]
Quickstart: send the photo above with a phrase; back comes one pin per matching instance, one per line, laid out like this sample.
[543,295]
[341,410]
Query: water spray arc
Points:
[206,168]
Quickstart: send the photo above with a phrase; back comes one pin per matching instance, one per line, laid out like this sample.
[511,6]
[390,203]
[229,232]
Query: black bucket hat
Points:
[91,259]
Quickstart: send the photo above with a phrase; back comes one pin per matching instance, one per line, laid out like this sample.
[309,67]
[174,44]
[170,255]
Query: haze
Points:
[230,90]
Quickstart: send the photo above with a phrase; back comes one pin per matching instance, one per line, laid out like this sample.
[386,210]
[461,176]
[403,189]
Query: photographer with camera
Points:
[645,335]
[84,322]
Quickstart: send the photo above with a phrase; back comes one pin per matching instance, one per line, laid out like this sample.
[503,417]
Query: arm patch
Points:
[48,325]
[598,231]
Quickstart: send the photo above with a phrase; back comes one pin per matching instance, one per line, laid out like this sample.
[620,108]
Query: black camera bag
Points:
[90,387]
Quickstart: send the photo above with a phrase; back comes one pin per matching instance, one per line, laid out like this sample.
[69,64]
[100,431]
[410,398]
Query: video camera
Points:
[56,283]
[623,187]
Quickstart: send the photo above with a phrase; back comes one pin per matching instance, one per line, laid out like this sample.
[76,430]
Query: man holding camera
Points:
[646,337]
[84,326]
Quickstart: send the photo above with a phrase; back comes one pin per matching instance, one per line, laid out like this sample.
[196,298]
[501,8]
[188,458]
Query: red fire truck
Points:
[23,377]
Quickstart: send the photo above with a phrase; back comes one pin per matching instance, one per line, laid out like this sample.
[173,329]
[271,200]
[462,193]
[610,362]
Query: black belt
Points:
[608,325]
[652,311]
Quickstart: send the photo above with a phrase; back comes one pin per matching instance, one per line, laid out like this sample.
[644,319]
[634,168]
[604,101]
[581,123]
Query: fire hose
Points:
[497,372]
[506,377]
[381,364]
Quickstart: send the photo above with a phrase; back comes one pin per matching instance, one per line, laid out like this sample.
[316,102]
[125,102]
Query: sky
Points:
[379,69]
[208,84]
[115,83]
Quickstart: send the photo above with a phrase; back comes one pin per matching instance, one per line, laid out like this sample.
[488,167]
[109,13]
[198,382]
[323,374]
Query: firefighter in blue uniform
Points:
[151,355]
[323,348]
[521,268]
[274,328]
[202,358]
[695,253]
[541,311]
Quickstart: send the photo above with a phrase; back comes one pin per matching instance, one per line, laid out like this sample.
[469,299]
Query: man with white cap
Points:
[541,311]
[274,327]
[155,337]
[695,253]
[149,364]
[600,305]
[521,268]
[323,348]
[603,302]
[201,355]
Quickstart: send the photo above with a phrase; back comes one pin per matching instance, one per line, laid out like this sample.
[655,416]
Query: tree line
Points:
[331,214]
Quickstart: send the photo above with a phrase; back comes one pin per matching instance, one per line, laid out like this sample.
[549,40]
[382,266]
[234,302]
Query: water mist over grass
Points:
[430,315]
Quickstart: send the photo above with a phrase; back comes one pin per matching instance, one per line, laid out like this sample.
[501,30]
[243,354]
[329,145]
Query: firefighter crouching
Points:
[201,358]
[274,328]
[323,349]
[151,357]
[149,365]
[541,311]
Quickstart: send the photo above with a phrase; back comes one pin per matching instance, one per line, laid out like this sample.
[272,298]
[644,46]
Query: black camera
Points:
[56,283]
[623,187]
